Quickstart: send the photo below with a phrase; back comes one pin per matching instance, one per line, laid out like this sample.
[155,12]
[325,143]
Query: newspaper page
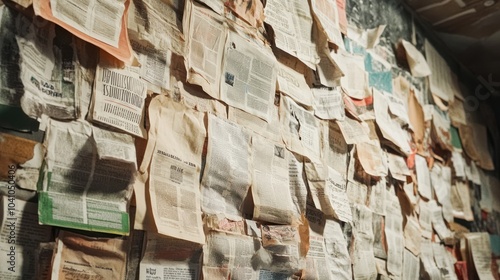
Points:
[226,177]
[398,167]
[99,19]
[227,256]
[167,258]
[327,17]
[442,83]
[479,248]
[101,23]
[362,255]
[47,69]
[428,266]
[328,103]
[423,177]
[390,128]
[411,266]
[270,183]
[461,201]
[354,131]
[155,23]
[293,84]
[174,187]
[337,152]
[328,191]
[337,256]
[394,236]
[205,39]
[372,158]
[292,24]
[425,218]
[412,235]
[248,79]
[119,100]
[298,188]
[11,86]
[441,182]
[416,60]
[20,236]
[443,262]
[80,188]
[82,257]
[300,129]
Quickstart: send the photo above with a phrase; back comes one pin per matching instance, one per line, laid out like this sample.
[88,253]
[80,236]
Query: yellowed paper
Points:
[176,147]
[418,64]
[102,258]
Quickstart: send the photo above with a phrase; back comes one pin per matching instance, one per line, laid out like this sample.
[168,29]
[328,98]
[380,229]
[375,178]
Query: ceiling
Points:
[469,28]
